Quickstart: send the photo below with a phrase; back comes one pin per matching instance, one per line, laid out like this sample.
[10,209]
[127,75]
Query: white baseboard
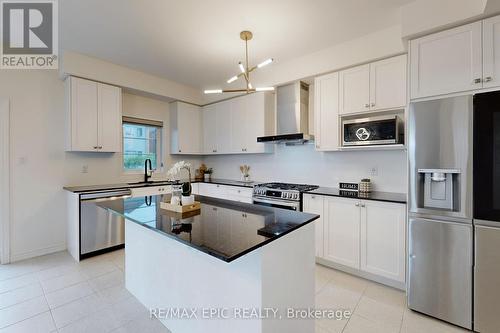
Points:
[38,252]
[369,276]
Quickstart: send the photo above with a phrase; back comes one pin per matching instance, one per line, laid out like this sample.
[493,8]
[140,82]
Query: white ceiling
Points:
[196,42]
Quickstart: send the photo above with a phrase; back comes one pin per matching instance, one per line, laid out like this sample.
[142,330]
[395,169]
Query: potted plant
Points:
[208,174]
[187,197]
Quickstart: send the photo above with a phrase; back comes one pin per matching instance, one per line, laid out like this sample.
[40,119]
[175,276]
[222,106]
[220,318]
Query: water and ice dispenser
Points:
[439,189]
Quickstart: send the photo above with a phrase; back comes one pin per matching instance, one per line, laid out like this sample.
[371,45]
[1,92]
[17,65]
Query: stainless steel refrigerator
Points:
[440,253]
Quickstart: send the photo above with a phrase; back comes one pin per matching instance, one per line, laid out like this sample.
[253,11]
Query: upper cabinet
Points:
[232,126]
[376,86]
[209,117]
[388,83]
[491,52]
[94,113]
[185,128]
[447,62]
[326,112]
[355,89]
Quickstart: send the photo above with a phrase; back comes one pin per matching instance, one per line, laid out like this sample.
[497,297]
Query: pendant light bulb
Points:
[213,91]
[265,62]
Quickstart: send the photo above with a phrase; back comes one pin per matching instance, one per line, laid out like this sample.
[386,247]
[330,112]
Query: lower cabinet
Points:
[383,239]
[342,225]
[314,204]
[227,192]
[363,235]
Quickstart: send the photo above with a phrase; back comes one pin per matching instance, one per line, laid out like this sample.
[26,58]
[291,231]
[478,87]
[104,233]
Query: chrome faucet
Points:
[147,173]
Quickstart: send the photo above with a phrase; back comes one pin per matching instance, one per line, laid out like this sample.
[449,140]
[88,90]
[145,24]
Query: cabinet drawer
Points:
[151,190]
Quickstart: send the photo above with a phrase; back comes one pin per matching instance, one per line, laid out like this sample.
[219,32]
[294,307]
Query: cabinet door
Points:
[326,112]
[209,129]
[255,122]
[83,110]
[491,52]
[355,89]
[223,127]
[383,239]
[388,83]
[314,204]
[238,124]
[109,123]
[189,129]
[446,62]
[342,218]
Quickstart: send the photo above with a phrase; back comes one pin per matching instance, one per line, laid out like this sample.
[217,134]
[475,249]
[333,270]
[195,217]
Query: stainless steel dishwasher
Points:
[100,230]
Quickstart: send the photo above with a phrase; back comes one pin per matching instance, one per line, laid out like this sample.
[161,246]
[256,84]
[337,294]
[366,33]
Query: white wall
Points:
[77,64]
[41,167]
[303,164]
[425,16]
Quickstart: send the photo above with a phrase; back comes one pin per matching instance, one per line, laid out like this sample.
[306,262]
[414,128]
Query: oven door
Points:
[277,203]
[487,156]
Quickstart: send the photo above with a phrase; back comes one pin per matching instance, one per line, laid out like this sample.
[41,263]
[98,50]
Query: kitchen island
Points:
[228,267]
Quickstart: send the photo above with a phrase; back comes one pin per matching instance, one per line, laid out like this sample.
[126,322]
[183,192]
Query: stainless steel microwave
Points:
[380,130]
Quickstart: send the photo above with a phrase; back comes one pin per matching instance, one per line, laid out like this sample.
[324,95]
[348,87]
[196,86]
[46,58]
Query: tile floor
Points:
[54,294]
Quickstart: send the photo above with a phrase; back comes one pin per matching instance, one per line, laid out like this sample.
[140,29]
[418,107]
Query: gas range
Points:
[281,195]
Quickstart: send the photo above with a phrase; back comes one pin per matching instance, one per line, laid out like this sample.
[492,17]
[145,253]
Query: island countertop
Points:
[224,229]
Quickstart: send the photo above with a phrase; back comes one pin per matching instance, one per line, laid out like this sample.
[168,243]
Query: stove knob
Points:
[284,195]
[296,196]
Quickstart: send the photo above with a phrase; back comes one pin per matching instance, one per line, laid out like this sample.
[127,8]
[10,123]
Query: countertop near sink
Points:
[377,196]
[120,186]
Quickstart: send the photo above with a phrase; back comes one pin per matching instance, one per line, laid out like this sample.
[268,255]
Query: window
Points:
[141,140]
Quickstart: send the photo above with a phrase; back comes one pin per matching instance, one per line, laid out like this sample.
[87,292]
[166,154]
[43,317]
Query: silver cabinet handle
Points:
[476,81]
[313,197]
[96,147]
[180,151]
[367,105]
[412,256]
[363,205]
[488,79]
[100,147]
[357,204]
[372,105]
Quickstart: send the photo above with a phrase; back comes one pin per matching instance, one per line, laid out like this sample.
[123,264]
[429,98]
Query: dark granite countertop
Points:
[224,229]
[120,186]
[377,196]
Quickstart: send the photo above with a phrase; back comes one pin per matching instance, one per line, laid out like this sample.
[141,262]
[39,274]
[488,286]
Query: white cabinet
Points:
[355,89]
[209,129]
[223,126]
[365,235]
[314,204]
[238,122]
[326,112]
[388,83]
[150,190]
[342,223]
[94,116]
[491,52]
[380,85]
[232,126]
[259,121]
[446,62]
[383,239]
[186,132]
[227,192]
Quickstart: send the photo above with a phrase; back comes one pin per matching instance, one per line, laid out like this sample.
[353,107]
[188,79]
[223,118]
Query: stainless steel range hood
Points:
[292,103]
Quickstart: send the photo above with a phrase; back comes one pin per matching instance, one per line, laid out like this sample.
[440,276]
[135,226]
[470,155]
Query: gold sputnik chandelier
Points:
[245,71]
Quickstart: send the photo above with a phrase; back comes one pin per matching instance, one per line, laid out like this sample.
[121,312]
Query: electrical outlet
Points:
[373,171]
[85,169]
